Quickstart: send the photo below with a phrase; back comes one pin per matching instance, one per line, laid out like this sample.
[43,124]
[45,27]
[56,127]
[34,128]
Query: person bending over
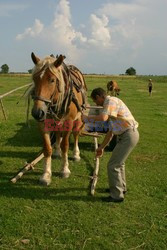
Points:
[121,123]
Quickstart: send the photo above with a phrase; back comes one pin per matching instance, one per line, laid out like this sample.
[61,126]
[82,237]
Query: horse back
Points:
[112,86]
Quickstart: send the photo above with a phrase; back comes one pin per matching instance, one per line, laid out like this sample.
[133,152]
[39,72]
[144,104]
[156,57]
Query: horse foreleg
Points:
[76,151]
[65,172]
[45,179]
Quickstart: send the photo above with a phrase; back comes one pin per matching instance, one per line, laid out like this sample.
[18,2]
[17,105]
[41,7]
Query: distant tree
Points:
[4,69]
[30,71]
[130,71]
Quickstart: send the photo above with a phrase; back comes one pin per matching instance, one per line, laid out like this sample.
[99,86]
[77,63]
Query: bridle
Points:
[41,98]
[67,98]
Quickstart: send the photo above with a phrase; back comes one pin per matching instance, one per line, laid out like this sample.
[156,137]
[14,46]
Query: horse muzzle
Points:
[39,114]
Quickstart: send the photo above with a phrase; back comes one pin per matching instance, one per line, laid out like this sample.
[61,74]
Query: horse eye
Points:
[52,80]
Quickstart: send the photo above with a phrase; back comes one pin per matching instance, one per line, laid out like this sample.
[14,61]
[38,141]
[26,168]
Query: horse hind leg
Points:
[57,152]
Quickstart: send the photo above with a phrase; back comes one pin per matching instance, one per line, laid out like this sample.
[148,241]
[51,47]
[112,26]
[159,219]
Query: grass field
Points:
[64,215]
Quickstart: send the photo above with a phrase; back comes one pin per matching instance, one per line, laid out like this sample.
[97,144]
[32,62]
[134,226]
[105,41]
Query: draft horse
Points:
[113,88]
[59,95]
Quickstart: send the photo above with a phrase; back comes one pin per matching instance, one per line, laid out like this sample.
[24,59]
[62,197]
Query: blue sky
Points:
[98,36]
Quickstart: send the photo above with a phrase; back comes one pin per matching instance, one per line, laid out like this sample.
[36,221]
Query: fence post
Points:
[3,109]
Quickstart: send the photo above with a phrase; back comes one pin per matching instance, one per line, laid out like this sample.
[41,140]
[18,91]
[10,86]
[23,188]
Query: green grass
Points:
[64,215]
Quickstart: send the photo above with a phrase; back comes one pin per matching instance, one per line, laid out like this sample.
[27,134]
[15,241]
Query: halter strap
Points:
[40,98]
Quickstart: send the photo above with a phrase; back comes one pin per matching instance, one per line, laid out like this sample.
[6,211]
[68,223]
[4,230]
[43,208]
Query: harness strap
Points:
[78,88]
[41,99]
[75,101]
[77,83]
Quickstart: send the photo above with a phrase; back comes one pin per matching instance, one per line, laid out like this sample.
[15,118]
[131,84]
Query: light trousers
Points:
[116,165]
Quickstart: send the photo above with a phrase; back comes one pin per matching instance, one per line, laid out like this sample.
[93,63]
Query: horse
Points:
[113,88]
[60,96]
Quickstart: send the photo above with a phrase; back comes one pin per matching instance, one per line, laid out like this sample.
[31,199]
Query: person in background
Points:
[150,87]
[121,123]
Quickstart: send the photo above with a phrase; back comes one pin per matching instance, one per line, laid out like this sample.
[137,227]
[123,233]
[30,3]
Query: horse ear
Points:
[35,59]
[59,61]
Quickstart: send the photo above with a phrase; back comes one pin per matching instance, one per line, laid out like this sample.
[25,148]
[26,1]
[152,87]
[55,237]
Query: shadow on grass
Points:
[30,137]
[30,188]
[34,191]
[26,136]
[29,156]
[89,162]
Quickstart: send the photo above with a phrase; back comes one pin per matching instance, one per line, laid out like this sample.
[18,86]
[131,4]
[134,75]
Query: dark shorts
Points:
[150,89]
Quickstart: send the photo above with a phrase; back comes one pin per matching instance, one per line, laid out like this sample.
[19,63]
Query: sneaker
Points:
[110,199]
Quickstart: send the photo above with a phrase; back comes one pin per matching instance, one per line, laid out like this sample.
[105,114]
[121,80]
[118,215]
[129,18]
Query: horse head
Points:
[48,84]
[110,86]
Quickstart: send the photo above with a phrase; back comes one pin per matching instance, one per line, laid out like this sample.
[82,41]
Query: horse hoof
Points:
[77,158]
[45,180]
[56,156]
[65,175]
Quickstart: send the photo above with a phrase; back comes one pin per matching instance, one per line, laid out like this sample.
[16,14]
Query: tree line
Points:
[5,70]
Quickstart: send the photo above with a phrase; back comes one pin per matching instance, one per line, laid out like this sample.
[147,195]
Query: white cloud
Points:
[7,9]
[31,31]
[125,32]
[63,26]
[124,23]
[62,35]
[100,34]
[121,11]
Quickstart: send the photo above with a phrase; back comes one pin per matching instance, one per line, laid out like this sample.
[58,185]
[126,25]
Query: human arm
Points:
[107,139]
[100,117]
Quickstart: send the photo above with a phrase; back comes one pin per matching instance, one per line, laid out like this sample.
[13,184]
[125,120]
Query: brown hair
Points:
[98,91]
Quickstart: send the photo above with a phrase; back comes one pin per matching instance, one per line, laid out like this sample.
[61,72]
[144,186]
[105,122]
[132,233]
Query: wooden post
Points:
[94,107]
[28,111]
[8,93]
[3,110]
[96,170]
[26,85]
[27,167]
